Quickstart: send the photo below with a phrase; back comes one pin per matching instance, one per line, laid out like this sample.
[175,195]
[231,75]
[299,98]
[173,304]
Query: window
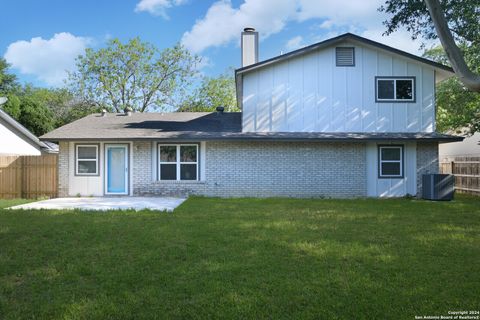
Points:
[390,89]
[178,162]
[345,56]
[86,158]
[390,161]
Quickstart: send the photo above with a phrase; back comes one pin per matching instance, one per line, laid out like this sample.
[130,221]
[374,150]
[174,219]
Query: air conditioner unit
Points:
[438,186]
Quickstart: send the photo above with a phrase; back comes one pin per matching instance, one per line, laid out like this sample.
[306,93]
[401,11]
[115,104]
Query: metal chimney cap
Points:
[220,109]
[249,29]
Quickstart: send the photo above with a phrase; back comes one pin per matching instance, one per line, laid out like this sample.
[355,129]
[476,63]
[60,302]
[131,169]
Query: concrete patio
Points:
[105,203]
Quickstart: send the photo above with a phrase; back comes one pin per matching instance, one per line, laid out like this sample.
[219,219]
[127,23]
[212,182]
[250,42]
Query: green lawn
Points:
[243,258]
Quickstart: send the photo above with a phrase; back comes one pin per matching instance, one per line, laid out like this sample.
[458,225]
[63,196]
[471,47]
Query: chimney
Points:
[249,44]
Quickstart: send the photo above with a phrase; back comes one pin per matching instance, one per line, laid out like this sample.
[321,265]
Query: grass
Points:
[244,258]
[5,203]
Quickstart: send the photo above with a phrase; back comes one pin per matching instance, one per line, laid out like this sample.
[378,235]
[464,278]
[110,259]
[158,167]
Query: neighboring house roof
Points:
[198,126]
[20,130]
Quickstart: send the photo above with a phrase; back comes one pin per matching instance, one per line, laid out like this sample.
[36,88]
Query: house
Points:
[470,147]
[346,117]
[16,140]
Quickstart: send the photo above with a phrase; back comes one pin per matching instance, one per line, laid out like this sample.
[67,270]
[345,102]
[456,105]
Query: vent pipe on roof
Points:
[128,111]
[104,112]
[249,45]
[220,110]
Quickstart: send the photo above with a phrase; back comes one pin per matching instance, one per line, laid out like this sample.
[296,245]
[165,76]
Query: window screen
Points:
[86,160]
[178,162]
[390,161]
[395,89]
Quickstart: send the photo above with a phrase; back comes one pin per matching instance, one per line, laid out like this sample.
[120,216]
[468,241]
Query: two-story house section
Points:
[349,86]
[346,117]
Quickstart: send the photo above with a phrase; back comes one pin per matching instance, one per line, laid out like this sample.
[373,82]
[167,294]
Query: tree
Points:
[13,106]
[8,81]
[134,74]
[35,117]
[213,92]
[62,103]
[458,109]
[448,20]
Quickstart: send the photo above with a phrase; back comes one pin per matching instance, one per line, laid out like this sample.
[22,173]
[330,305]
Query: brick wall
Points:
[63,168]
[265,169]
[427,161]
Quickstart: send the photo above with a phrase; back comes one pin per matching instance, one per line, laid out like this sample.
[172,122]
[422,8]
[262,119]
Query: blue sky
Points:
[42,38]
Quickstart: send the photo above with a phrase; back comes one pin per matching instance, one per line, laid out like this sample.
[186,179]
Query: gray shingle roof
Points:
[146,126]
[198,126]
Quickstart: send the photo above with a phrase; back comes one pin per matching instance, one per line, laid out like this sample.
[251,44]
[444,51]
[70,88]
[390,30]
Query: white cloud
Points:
[339,12]
[294,43]
[401,40]
[47,59]
[157,7]
[223,23]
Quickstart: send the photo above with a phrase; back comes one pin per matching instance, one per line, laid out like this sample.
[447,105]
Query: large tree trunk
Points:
[454,54]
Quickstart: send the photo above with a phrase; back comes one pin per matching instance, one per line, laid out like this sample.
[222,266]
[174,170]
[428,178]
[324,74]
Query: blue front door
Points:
[116,169]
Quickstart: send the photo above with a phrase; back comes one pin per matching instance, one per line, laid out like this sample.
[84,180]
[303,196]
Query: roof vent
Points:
[220,110]
[128,111]
[345,56]
[104,112]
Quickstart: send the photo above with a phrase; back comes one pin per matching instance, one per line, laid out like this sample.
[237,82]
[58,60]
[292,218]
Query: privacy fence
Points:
[28,176]
[466,171]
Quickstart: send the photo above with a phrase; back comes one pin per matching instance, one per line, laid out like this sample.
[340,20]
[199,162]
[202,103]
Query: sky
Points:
[42,38]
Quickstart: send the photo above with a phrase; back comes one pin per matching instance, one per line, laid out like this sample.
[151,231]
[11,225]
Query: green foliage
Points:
[13,106]
[213,92]
[40,109]
[458,109]
[8,81]
[243,259]
[135,74]
[64,106]
[35,116]
[463,18]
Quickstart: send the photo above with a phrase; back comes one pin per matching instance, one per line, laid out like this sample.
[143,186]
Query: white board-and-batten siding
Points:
[310,93]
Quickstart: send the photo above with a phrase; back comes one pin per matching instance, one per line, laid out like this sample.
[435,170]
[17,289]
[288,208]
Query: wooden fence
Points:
[28,176]
[466,171]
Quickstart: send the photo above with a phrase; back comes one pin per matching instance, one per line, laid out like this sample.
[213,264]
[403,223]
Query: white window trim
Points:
[90,159]
[395,99]
[177,161]
[381,161]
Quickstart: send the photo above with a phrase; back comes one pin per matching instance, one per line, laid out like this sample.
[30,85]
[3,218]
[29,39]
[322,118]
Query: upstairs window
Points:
[390,161]
[178,162]
[345,56]
[392,89]
[86,160]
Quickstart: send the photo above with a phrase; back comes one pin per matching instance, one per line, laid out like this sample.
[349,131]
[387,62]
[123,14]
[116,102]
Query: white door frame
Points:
[127,168]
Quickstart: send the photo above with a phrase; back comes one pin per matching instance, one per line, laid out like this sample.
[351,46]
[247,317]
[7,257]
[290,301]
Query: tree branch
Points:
[470,79]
